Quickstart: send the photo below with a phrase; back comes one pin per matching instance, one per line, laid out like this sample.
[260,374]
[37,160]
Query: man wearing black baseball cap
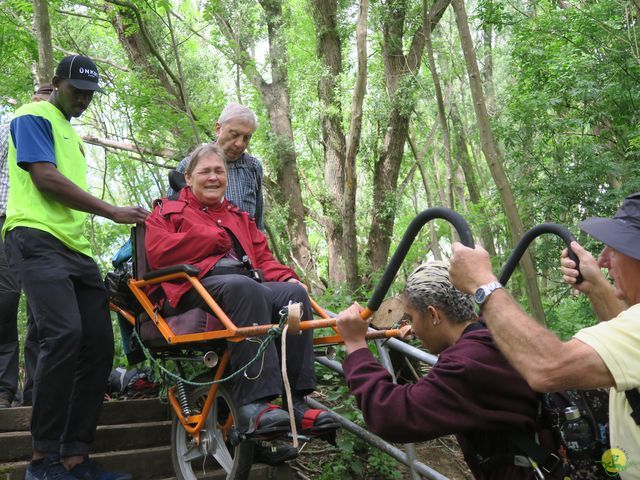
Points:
[81,72]
[46,247]
[604,355]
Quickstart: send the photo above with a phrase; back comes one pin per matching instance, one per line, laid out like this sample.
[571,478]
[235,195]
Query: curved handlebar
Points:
[526,240]
[455,219]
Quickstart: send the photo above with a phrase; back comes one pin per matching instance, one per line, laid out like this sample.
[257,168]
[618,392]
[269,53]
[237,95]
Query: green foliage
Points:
[569,315]
[565,82]
[494,13]
[572,114]
[18,49]
[355,458]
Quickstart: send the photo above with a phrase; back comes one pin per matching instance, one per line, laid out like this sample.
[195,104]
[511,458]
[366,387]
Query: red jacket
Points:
[186,231]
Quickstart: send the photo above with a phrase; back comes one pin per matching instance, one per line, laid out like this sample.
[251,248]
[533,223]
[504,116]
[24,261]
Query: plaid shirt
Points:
[244,185]
[4,167]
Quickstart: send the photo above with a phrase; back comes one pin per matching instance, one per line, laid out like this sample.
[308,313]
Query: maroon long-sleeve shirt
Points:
[471,392]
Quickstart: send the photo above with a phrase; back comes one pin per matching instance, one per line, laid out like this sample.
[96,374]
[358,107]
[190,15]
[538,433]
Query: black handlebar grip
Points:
[559,230]
[459,223]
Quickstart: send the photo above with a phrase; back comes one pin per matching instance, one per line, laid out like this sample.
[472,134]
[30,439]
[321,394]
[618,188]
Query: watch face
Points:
[480,295]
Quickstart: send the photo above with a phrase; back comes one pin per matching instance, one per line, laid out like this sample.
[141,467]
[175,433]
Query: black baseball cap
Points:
[622,232]
[81,72]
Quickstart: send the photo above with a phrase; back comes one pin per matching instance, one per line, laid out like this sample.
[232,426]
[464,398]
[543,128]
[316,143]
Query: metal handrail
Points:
[454,218]
[522,245]
[406,458]
[386,447]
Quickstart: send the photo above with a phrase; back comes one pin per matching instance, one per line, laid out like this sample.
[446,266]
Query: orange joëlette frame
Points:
[231,332]
[194,423]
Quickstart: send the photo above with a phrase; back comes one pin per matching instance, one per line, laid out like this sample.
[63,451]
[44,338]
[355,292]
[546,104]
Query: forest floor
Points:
[442,454]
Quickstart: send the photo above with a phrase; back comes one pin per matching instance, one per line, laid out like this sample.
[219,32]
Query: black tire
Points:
[191,462]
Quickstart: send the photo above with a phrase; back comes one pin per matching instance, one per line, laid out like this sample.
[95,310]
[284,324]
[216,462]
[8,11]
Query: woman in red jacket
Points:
[203,229]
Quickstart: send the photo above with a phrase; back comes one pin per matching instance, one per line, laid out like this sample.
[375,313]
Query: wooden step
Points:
[16,446]
[258,472]
[134,411]
[142,464]
[133,436]
[151,463]
[113,413]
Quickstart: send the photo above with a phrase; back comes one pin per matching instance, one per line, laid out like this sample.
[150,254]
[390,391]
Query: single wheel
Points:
[215,452]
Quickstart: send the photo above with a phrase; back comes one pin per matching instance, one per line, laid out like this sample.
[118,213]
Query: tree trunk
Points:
[446,136]
[328,49]
[139,53]
[433,236]
[487,69]
[353,145]
[276,99]
[419,158]
[399,69]
[462,156]
[42,28]
[516,228]
[134,38]
[339,156]
[275,96]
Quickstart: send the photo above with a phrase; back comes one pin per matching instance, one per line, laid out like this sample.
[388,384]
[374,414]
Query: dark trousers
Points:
[9,354]
[247,302]
[69,304]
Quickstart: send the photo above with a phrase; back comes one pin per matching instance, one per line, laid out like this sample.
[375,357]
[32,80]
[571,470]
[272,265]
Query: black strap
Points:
[633,397]
[547,461]
[237,247]
[474,326]
[255,273]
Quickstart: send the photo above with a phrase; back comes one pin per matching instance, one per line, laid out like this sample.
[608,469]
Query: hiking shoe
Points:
[311,421]
[261,419]
[273,453]
[48,468]
[90,470]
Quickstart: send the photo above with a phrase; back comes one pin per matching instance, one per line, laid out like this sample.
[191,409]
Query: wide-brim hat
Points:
[622,232]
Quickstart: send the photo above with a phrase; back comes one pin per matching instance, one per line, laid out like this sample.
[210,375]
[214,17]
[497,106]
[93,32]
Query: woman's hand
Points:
[352,328]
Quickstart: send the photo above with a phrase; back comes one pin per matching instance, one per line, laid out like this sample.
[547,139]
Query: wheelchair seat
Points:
[196,320]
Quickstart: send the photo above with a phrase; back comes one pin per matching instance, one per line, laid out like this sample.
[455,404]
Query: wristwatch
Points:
[483,292]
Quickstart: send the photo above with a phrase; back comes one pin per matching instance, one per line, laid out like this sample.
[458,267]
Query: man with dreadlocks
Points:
[471,392]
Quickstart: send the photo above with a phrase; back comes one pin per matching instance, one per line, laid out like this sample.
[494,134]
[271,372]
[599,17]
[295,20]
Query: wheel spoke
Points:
[192,454]
[220,451]
[213,453]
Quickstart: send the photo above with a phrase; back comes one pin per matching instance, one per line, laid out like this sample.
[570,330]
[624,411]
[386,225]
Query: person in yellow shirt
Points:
[46,247]
[604,355]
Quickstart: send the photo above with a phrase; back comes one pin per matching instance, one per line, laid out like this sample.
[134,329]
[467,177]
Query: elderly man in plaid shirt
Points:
[234,129]
[10,296]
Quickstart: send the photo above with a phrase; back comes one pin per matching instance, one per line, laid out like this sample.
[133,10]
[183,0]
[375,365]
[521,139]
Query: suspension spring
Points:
[183,399]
